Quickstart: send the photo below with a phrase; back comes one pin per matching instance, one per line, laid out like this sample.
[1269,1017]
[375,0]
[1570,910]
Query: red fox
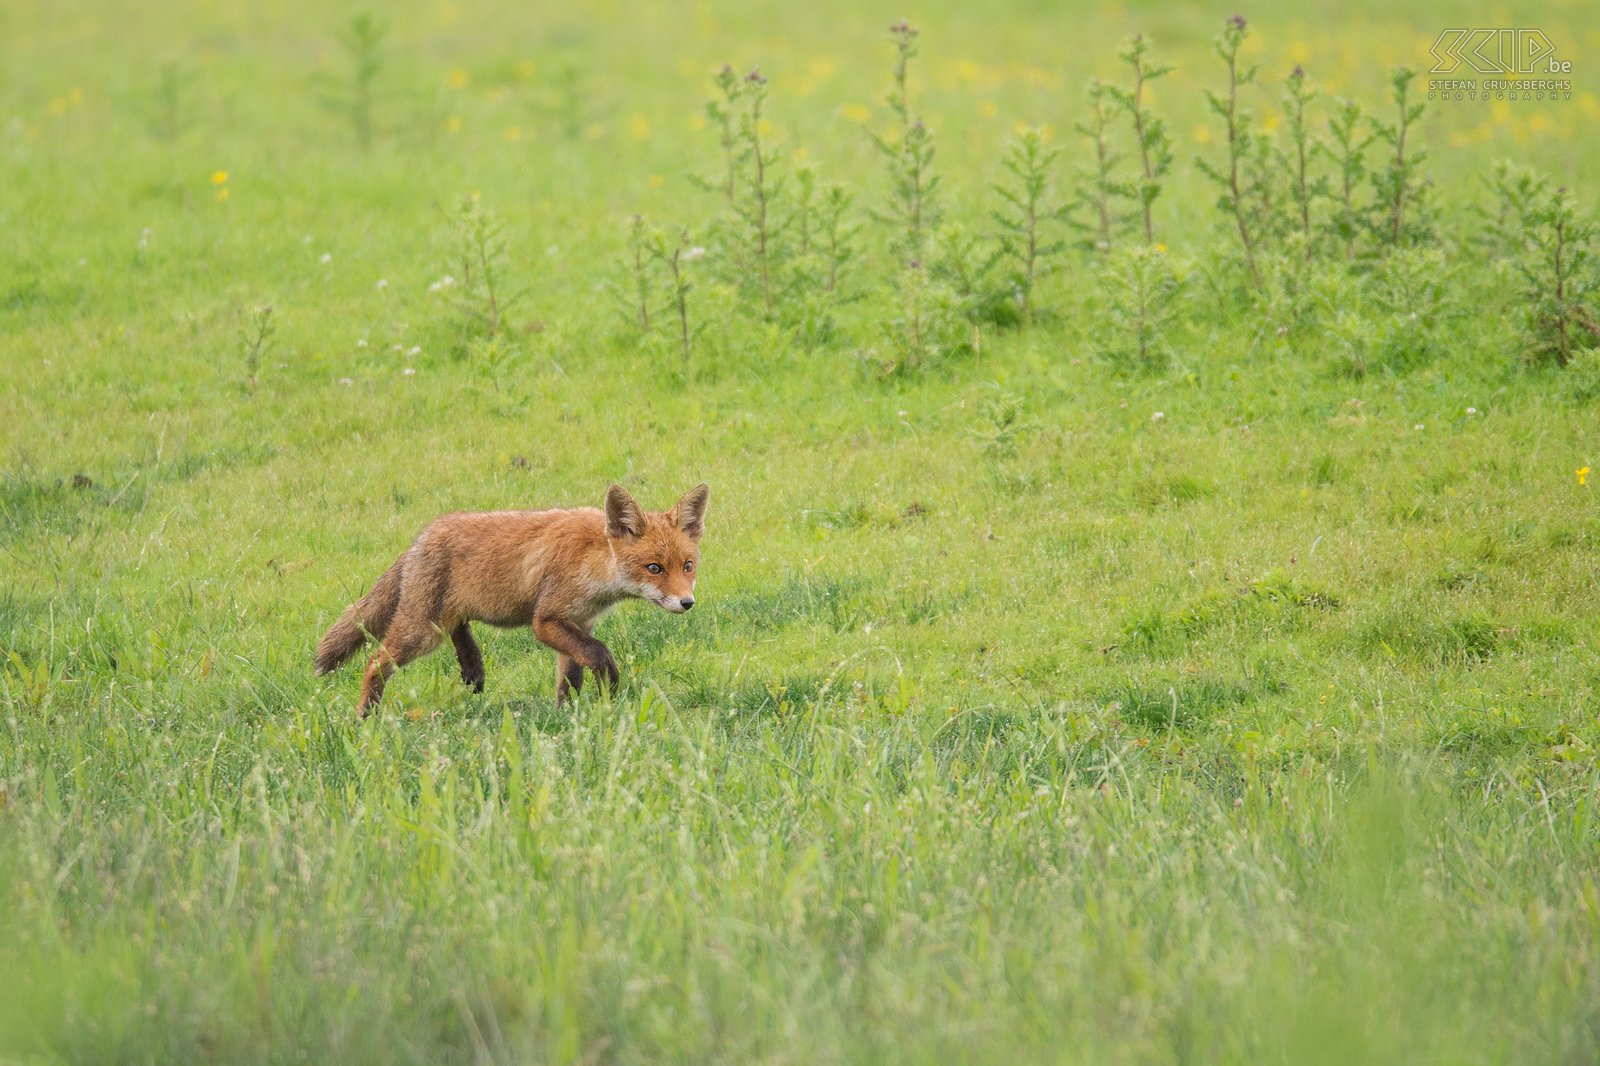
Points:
[557,571]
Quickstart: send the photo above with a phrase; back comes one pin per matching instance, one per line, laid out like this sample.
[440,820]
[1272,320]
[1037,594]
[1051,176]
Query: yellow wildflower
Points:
[1583,474]
[219,177]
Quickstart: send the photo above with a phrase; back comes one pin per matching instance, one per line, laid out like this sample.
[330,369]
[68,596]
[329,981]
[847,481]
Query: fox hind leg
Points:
[402,645]
[469,656]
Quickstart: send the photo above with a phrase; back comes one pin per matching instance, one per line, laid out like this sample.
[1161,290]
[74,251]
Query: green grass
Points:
[1014,724]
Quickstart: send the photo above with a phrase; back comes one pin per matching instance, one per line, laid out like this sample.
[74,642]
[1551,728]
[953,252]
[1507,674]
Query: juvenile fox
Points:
[557,571]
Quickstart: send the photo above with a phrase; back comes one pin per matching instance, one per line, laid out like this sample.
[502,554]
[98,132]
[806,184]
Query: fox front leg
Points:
[569,678]
[576,651]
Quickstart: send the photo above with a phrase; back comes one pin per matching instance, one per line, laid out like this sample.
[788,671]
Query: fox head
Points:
[657,552]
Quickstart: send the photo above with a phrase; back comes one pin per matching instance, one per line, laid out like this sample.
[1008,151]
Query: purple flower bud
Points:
[1236,21]
[1297,73]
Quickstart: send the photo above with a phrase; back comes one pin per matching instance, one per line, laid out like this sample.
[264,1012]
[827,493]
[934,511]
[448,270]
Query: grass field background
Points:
[1032,711]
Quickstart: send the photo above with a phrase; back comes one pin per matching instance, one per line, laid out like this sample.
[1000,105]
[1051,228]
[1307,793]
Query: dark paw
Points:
[475,680]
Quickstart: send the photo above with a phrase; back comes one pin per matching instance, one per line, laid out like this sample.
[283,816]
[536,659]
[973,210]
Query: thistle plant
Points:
[1027,242]
[1098,189]
[722,114]
[913,205]
[1302,190]
[925,325]
[759,213]
[1517,192]
[964,261]
[1559,280]
[804,219]
[479,295]
[822,240]
[1155,146]
[254,340]
[836,233]
[352,96]
[761,234]
[1399,187]
[1139,290]
[675,255]
[822,228]
[1411,285]
[913,212]
[1349,137]
[1241,142]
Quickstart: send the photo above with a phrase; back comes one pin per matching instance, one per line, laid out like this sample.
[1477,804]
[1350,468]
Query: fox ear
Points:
[624,518]
[689,513]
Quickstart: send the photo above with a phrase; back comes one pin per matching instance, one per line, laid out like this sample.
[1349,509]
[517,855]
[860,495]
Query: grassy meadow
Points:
[1231,702]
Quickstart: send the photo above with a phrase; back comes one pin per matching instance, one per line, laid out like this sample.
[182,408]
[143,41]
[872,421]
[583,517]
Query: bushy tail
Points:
[370,615]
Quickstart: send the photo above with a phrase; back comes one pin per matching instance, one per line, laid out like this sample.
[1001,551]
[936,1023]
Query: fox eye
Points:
[655,568]
[688,566]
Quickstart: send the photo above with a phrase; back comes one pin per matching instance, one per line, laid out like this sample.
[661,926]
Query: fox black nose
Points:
[686,603]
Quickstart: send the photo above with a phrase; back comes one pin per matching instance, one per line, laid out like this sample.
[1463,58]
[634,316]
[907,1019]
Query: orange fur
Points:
[557,571]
